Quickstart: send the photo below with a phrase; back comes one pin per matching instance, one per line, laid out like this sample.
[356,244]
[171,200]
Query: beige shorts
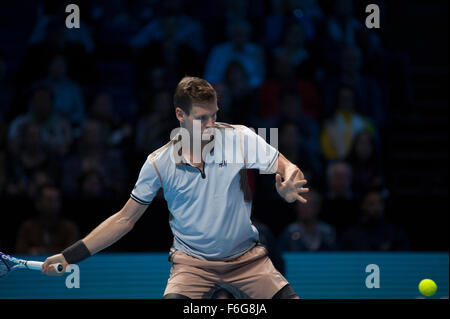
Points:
[251,275]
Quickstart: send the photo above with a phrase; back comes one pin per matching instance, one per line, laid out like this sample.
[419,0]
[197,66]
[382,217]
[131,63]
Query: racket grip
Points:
[37,265]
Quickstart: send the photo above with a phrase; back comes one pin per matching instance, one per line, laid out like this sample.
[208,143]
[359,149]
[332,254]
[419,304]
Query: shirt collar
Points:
[183,160]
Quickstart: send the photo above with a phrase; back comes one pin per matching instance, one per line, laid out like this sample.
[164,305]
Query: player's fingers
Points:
[278,180]
[45,266]
[292,178]
[302,190]
[300,183]
[301,199]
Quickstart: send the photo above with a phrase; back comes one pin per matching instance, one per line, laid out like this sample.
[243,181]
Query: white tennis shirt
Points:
[210,219]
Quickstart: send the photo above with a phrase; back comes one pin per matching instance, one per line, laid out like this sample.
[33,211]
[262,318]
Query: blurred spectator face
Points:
[284,68]
[290,140]
[236,77]
[49,202]
[157,78]
[308,212]
[58,67]
[55,35]
[38,179]
[351,60]
[290,105]
[343,8]
[92,185]
[161,104]
[172,7]
[102,107]
[373,206]
[346,99]
[91,135]
[31,137]
[238,7]
[364,146]
[41,104]
[239,32]
[289,136]
[294,36]
[305,4]
[169,27]
[339,178]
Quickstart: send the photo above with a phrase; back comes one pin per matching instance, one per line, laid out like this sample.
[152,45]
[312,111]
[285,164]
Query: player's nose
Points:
[210,122]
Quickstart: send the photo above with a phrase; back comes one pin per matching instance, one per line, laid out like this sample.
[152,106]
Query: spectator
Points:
[103,111]
[54,132]
[250,55]
[48,233]
[292,109]
[93,153]
[155,125]
[293,48]
[342,27]
[300,143]
[374,232]
[368,96]
[243,96]
[68,99]
[93,192]
[186,30]
[339,131]
[339,181]
[54,17]
[339,206]
[36,180]
[308,233]
[366,162]
[225,113]
[176,57]
[309,15]
[306,13]
[283,79]
[30,158]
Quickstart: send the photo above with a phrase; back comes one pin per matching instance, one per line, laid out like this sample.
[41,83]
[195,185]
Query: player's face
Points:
[204,115]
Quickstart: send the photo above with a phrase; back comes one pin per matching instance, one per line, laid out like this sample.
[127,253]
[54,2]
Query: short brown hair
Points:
[192,89]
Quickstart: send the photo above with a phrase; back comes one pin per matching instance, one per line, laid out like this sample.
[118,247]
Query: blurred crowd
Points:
[82,109]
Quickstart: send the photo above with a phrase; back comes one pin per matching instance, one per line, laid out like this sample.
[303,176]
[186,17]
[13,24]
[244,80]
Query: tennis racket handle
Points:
[37,265]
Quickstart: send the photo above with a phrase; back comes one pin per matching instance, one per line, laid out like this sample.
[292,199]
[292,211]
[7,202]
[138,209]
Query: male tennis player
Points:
[215,244]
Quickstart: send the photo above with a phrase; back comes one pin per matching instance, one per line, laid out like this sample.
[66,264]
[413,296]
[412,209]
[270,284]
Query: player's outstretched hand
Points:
[50,270]
[292,187]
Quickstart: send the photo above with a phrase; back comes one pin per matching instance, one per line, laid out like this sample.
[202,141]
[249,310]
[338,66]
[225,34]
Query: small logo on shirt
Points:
[223,163]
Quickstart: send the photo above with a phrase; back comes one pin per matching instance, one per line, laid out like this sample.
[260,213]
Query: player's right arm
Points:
[105,234]
[115,227]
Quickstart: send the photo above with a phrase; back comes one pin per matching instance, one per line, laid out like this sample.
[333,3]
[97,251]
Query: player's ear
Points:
[179,113]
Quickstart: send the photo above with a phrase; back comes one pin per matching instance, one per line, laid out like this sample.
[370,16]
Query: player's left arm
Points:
[289,180]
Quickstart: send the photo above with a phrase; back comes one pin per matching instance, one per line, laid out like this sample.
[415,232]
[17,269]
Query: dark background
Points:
[410,68]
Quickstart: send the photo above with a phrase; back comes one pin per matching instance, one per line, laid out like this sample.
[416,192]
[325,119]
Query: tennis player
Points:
[215,244]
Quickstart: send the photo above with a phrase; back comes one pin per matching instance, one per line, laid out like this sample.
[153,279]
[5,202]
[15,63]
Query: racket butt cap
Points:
[59,268]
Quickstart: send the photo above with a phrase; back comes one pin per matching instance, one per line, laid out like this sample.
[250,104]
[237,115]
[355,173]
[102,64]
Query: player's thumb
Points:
[277,180]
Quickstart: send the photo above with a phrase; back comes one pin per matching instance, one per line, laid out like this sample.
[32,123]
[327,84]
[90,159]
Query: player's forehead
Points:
[204,108]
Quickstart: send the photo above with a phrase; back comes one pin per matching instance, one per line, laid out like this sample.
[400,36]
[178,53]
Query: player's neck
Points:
[189,152]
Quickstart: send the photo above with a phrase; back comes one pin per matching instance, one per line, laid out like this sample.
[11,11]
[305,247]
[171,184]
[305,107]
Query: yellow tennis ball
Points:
[427,287]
